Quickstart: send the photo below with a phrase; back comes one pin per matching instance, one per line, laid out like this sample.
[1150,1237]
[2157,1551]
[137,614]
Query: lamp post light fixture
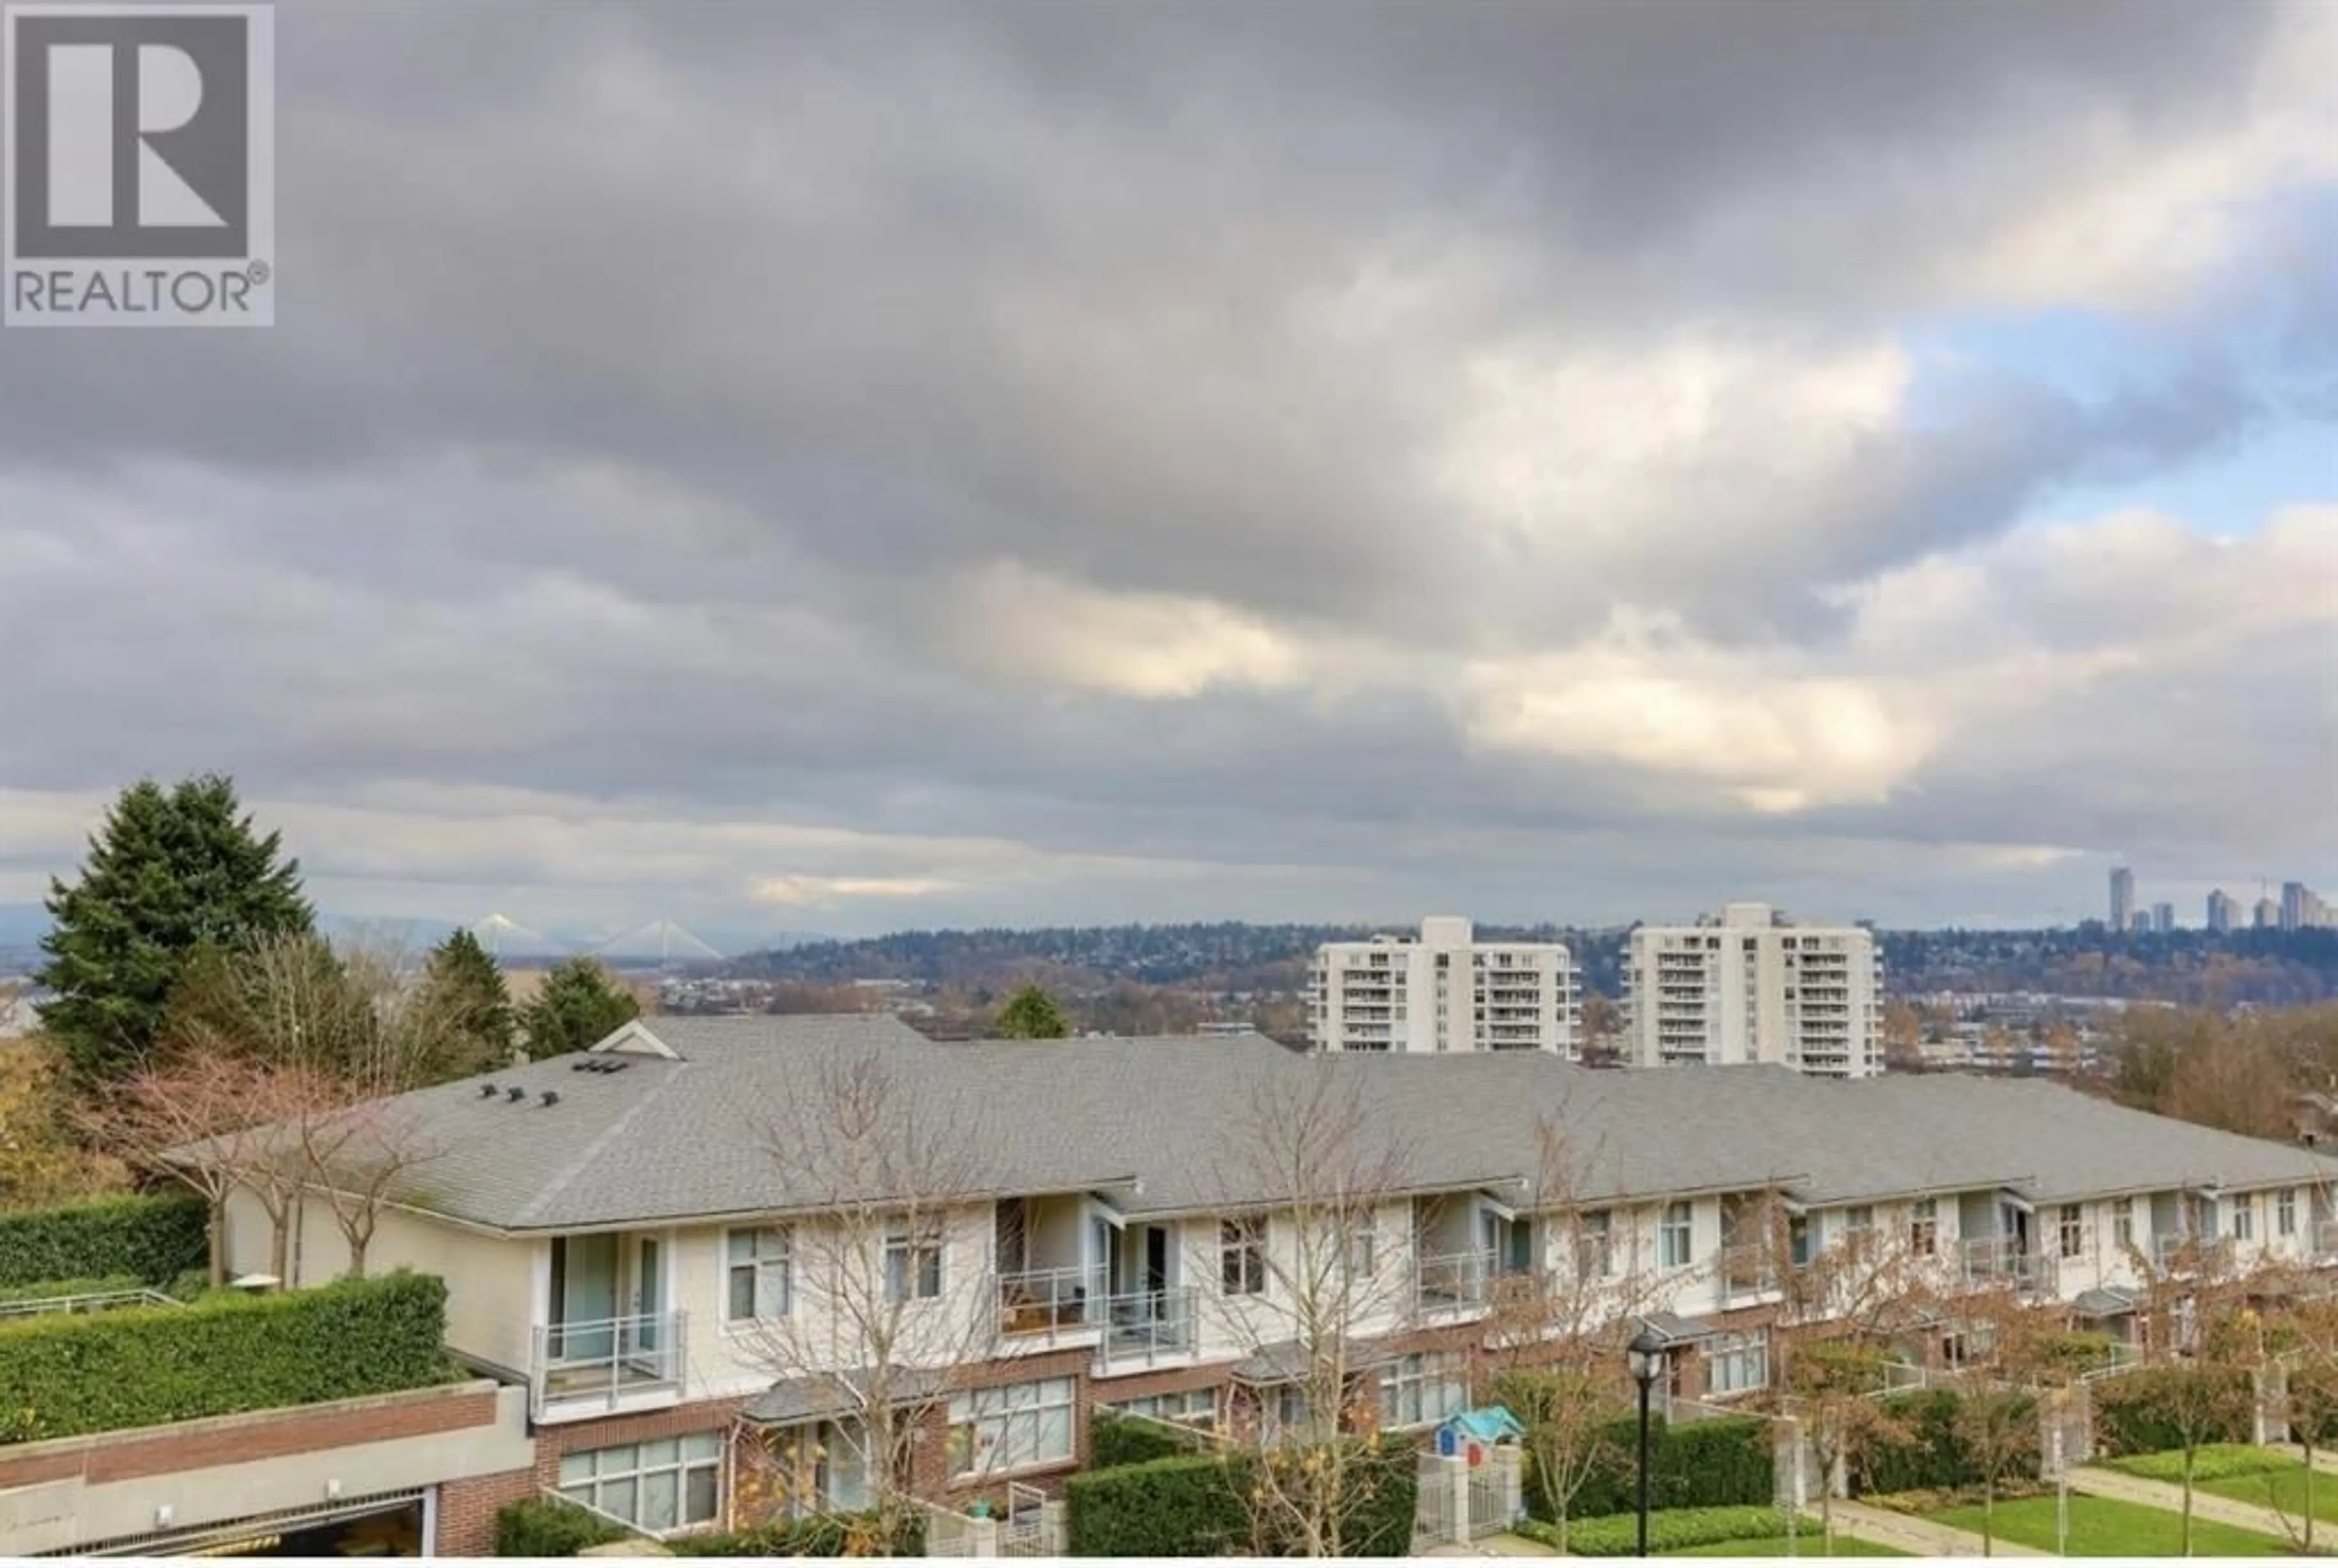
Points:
[1646,1355]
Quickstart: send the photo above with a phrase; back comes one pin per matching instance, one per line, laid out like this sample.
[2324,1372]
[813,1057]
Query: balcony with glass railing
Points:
[580,1368]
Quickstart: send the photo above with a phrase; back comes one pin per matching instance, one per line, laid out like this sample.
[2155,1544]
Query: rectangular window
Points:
[654,1487]
[1735,1363]
[757,1271]
[1013,1427]
[1798,1240]
[1594,1246]
[1924,1227]
[1241,1256]
[2070,1231]
[1363,1247]
[1858,1221]
[1425,1388]
[2123,1225]
[913,1264]
[2244,1217]
[2284,1214]
[1673,1237]
[1193,1407]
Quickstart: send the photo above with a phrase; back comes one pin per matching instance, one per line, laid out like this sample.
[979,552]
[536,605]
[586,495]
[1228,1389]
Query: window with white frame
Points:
[757,1275]
[1363,1251]
[2244,1217]
[1924,1227]
[1242,1255]
[1012,1427]
[1424,1389]
[1193,1407]
[2285,1213]
[913,1263]
[1673,1237]
[1858,1222]
[2070,1231]
[1735,1363]
[2123,1225]
[661,1485]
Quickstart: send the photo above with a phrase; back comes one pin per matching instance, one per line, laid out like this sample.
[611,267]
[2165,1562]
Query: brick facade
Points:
[228,1440]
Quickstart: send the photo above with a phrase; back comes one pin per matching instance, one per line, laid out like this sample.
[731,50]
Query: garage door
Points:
[258,1535]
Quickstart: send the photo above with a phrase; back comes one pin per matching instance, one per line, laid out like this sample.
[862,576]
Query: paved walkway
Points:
[2322,1459]
[2165,1495]
[1920,1536]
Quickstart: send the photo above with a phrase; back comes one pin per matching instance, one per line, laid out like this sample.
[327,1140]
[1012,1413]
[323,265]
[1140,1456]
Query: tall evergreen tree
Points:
[472,996]
[580,1003]
[169,871]
[1032,1015]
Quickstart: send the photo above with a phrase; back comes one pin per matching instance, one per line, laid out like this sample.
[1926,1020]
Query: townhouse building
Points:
[1750,986]
[1444,991]
[678,1246]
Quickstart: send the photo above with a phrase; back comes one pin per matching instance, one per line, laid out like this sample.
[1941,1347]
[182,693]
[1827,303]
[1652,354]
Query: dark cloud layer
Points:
[877,464]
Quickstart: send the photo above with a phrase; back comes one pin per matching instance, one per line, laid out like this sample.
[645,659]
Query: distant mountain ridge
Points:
[21,925]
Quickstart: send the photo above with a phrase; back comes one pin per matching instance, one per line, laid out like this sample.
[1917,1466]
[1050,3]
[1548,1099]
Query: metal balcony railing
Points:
[1050,1301]
[604,1361]
[2000,1260]
[1144,1327]
[1747,1270]
[1452,1282]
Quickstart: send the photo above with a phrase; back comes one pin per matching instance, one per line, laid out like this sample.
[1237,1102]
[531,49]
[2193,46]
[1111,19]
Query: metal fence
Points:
[92,1302]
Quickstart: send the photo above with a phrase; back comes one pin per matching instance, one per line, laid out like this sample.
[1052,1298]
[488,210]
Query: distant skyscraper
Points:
[2122,899]
[2293,900]
[2224,909]
[2163,916]
[2268,914]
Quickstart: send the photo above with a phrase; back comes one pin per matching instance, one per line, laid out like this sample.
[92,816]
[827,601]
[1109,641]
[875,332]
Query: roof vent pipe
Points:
[552,1096]
[486,1091]
[514,1094]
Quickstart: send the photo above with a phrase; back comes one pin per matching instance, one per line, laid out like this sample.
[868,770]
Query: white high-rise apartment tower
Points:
[1751,986]
[1443,991]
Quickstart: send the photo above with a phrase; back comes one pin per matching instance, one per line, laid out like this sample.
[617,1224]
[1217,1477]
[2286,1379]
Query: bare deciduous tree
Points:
[1557,1331]
[876,1316]
[213,1122]
[1842,1307]
[356,1157]
[1312,1179]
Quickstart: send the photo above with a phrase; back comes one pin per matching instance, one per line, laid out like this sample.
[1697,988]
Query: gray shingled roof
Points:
[1160,1126]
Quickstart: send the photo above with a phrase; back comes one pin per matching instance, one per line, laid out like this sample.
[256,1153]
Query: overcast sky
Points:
[841,468]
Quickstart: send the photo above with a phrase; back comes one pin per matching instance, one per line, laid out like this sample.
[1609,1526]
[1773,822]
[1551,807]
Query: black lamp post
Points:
[1647,1355]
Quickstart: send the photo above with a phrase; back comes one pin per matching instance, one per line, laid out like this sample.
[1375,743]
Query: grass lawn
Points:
[2106,1528]
[1807,1546]
[2282,1489]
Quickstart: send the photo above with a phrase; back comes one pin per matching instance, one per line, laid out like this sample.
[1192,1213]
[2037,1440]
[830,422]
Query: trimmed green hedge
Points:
[1114,1441]
[1933,1457]
[151,1240]
[817,1535]
[2218,1462]
[1673,1530]
[62,1375]
[1185,1506]
[540,1527]
[1725,1462]
[1193,1505]
[2139,1412]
